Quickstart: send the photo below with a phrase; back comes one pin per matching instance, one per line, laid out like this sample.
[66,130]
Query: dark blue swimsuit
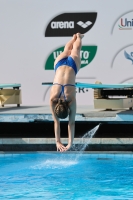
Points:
[69,62]
[62,89]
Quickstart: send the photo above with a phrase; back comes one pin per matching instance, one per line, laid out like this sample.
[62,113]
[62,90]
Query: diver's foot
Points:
[80,35]
[74,37]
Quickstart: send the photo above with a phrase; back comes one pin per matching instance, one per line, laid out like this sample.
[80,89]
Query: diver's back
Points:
[64,75]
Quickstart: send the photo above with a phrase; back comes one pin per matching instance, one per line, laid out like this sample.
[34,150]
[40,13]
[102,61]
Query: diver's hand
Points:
[60,147]
[68,147]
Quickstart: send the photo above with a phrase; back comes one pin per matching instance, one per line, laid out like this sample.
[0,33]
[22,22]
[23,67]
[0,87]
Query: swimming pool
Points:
[70,176]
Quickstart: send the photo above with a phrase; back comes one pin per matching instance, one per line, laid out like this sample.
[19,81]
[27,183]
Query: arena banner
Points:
[67,24]
[33,33]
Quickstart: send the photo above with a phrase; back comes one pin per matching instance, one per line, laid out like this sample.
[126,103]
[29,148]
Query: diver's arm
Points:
[56,122]
[71,124]
[59,145]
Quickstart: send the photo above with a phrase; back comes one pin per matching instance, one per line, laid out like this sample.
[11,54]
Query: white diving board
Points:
[104,86]
[98,86]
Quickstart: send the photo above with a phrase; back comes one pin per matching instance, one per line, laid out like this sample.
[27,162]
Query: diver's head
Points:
[61,109]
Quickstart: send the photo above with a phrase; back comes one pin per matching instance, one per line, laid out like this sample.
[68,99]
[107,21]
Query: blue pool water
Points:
[56,176]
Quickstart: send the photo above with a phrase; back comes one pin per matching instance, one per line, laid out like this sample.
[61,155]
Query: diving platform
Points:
[109,96]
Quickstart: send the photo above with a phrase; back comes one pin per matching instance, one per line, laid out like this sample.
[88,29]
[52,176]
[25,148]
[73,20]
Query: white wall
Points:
[24,49]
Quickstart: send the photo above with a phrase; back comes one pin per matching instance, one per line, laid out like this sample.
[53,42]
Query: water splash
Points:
[86,139]
[56,163]
[60,161]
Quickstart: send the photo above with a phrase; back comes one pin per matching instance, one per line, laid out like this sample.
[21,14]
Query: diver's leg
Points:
[69,45]
[75,53]
[67,49]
